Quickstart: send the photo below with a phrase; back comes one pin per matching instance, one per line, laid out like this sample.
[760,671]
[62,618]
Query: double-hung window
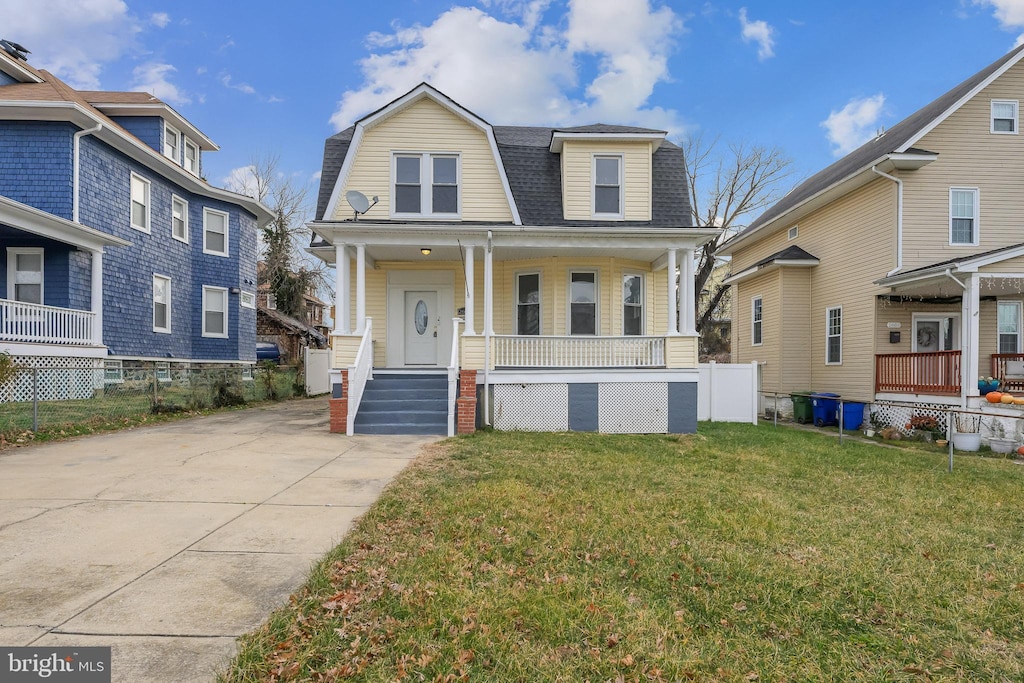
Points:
[1009,327]
[528,303]
[963,215]
[756,320]
[215,232]
[191,162]
[25,274]
[834,336]
[161,304]
[140,203]
[607,186]
[1004,117]
[583,303]
[179,219]
[172,143]
[632,304]
[215,312]
[426,185]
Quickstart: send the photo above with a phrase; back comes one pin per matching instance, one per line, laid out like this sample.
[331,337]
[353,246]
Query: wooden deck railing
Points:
[22,322]
[999,371]
[934,372]
[579,352]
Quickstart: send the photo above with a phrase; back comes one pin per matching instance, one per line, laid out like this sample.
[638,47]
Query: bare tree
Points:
[286,269]
[726,188]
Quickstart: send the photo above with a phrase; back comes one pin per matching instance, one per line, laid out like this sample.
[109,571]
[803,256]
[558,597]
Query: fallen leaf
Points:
[740,606]
[613,639]
[627,660]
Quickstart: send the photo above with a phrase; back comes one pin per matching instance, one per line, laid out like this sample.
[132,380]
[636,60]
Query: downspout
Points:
[949,274]
[75,172]
[899,219]
[488,321]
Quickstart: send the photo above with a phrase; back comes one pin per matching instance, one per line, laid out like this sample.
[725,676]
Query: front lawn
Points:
[740,554]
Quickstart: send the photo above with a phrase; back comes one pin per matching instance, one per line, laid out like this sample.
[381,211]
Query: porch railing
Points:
[22,322]
[1013,383]
[933,372]
[578,352]
[360,371]
[453,376]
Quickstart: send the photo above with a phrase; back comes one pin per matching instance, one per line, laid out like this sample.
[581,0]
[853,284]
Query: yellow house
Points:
[898,271]
[534,273]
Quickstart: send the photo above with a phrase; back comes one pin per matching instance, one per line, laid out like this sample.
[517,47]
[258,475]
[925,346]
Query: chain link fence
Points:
[85,397]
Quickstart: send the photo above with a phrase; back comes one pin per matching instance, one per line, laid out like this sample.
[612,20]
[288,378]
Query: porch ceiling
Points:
[447,253]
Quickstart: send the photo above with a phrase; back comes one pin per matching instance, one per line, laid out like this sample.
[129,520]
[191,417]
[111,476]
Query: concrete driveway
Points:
[168,542]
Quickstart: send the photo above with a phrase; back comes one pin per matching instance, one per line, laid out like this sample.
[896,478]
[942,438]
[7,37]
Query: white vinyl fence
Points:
[318,365]
[727,392]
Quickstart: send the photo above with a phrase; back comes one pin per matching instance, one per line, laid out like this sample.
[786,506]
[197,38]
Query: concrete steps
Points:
[404,403]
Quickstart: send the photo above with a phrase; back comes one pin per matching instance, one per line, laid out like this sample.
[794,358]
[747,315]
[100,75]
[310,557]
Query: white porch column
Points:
[96,304]
[470,285]
[488,291]
[673,322]
[343,276]
[970,318]
[360,288]
[688,294]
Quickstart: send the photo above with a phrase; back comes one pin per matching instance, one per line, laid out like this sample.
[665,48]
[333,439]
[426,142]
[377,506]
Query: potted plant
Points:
[877,423]
[926,426]
[998,441]
[967,435]
[987,384]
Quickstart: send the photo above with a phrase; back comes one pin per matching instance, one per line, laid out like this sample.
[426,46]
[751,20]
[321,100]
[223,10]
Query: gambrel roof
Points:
[533,171]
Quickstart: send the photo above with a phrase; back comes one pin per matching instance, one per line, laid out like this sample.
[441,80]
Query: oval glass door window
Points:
[420,317]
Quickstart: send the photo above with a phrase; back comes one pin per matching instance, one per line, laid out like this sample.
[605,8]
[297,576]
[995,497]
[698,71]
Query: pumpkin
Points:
[993,397]
[1018,401]
[1020,451]
[1006,398]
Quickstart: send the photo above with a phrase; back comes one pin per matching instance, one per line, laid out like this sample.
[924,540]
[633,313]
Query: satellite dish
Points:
[359,203]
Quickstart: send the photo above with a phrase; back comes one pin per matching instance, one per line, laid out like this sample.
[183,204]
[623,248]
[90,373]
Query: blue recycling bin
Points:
[825,407]
[853,415]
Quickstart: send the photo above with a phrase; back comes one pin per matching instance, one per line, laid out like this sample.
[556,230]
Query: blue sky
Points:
[812,78]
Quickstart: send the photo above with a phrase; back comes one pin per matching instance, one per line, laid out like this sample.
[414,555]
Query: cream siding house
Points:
[522,277]
[910,277]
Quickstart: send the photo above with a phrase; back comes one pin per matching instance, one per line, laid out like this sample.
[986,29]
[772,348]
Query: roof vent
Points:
[15,50]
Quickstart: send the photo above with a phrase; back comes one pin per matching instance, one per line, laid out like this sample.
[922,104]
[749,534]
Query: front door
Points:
[421,323]
[934,333]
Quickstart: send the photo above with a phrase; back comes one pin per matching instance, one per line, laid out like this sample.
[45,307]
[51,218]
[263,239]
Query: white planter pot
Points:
[1001,445]
[966,441]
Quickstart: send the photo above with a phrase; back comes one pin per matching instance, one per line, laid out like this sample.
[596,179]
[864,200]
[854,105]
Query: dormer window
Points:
[607,186]
[1004,117]
[426,185]
[191,162]
[172,142]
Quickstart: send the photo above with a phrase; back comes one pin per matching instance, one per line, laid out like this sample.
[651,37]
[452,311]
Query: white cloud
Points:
[225,79]
[524,71]
[1009,13]
[152,77]
[854,124]
[71,38]
[242,180]
[760,32]
[160,19]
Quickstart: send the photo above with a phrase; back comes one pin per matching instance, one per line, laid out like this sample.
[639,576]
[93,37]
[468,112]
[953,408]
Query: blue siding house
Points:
[113,247]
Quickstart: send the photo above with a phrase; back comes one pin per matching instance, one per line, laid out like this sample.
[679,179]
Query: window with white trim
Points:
[215,232]
[1004,117]
[113,372]
[246,373]
[794,231]
[247,300]
[179,219]
[172,142]
[271,301]
[215,312]
[426,185]
[528,303]
[632,304]
[583,302]
[834,335]
[25,274]
[163,371]
[963,215]
[756,321]
[1009,326]
[140,203]
[161,304]
[607,186]
[191,159]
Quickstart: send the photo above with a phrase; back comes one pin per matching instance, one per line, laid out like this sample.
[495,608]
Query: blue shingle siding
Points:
[56,266]
[149,129]
[35,164]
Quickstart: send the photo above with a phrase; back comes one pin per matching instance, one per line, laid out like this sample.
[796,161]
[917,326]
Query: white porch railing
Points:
[579,352]
[453,376]
[360,371]
[23,322]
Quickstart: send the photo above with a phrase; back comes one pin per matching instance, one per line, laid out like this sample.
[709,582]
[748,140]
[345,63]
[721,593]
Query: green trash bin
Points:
[803,411]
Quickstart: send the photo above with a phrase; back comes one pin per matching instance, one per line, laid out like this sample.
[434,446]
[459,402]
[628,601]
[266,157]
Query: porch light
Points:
[425,251]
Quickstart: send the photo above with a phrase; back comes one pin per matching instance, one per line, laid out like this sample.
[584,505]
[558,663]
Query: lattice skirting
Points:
[61,378]
[633,408]
[531,407]
[899,416]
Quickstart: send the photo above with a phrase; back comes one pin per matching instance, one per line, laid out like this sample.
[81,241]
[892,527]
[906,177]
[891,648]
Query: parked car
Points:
[268,351]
